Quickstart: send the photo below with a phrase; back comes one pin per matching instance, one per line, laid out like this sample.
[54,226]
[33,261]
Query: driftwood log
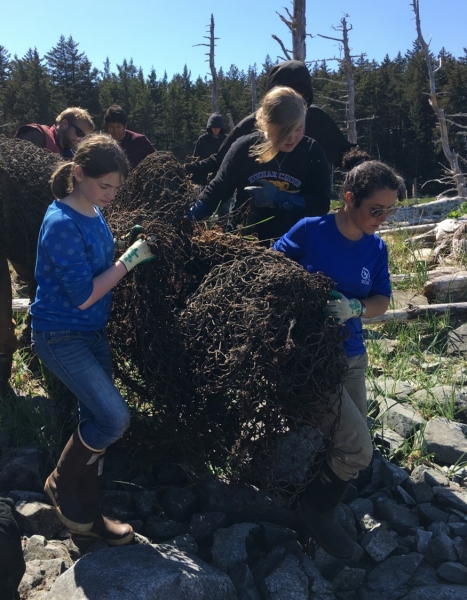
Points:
[458,310]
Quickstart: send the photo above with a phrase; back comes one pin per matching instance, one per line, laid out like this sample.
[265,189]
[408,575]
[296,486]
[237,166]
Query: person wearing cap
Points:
[318,124]
[136,145]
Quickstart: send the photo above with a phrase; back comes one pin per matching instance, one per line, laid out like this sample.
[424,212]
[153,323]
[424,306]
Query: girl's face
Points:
[98,191]
[291,141]
[373,211]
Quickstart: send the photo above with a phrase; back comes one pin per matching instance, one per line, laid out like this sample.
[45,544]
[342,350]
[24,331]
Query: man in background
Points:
[70,125]
[135,145]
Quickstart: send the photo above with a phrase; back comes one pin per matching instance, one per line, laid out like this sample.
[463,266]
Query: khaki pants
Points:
[351,448]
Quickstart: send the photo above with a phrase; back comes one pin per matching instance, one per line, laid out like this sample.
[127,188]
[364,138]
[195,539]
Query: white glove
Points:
[138,253]
[341,308]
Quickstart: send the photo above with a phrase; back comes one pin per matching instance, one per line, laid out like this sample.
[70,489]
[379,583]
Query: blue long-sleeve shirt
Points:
[72,250]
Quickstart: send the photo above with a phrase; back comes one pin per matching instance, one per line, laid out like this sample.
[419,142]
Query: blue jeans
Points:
[83,362]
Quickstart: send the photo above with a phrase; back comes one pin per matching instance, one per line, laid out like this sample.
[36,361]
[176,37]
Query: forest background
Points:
[396,124]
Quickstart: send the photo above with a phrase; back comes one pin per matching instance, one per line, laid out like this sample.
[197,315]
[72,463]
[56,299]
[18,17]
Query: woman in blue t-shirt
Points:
[344,246]
[75,273]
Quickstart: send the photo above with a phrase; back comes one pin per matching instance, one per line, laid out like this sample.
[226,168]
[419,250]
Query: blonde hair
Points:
[97,154]
[284,108]
[75,113]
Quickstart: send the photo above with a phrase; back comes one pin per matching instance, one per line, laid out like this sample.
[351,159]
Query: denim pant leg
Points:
[74,357]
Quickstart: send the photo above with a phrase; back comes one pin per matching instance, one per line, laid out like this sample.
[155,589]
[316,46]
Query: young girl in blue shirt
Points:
[75,272]
[344,246]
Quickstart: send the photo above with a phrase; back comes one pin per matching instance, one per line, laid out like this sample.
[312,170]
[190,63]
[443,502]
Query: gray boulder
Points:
[142,573]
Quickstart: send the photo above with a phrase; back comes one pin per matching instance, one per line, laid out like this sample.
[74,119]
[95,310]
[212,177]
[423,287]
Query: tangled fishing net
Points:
[25,171]
[220,345]
[265,365]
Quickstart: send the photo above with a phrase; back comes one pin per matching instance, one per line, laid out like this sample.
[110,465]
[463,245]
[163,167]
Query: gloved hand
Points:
[129,238]
[267,195]
[138,253]
[198,212]
[190,167]
[341,308]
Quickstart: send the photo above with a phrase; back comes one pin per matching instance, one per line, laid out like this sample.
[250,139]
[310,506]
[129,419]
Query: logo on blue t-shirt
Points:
[366,277]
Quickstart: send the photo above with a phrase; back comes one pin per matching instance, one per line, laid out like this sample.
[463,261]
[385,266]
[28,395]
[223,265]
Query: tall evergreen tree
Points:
[28,93]
[4,75]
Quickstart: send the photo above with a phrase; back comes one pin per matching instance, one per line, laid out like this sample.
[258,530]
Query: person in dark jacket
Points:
[12,565]
[210,142]
[279,174]
[318,125]
[136,145]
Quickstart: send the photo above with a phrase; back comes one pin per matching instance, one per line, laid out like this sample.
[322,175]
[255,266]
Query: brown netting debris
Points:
[264,364]
[223,343]
[220,344]
[25,171]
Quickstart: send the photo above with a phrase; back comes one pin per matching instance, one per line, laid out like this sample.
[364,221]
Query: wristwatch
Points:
[363,311]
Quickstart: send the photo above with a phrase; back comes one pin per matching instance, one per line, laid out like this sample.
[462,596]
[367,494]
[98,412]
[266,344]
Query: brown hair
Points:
[284,108]
[97,154]
[75,113]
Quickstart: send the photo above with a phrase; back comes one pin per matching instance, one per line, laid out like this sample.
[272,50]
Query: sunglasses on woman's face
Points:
[379,212]
[79,132]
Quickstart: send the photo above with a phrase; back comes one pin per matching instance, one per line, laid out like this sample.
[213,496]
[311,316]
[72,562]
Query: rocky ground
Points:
[217,541]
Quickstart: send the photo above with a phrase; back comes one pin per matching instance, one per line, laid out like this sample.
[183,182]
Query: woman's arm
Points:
[375,305]
[139,252]
[222,187]
[104,282]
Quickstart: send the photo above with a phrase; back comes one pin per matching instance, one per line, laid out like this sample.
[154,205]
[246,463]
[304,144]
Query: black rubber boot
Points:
[316,515]
[113,532]
[66,485]
[6,361]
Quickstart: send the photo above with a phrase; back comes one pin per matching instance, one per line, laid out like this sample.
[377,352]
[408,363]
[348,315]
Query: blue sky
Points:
[162,34]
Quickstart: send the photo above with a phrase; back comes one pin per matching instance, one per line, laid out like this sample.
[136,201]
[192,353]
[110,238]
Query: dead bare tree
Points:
[454,172]
[296,24]
[210,54]
[347,64]
[254,95]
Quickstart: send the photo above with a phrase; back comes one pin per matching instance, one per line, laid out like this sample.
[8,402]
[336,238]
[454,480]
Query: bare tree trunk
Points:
[254,96]
[212,66]
[455,171]
[347,64]
[296,23]
[348,70]
[210,54]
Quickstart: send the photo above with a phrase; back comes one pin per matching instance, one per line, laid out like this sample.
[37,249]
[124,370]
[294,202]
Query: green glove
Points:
[341,308]
[129,238]
[138,253]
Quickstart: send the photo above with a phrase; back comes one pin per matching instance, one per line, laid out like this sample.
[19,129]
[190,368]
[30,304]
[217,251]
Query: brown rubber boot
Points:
[316,516]
[113,532]
[64,485]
